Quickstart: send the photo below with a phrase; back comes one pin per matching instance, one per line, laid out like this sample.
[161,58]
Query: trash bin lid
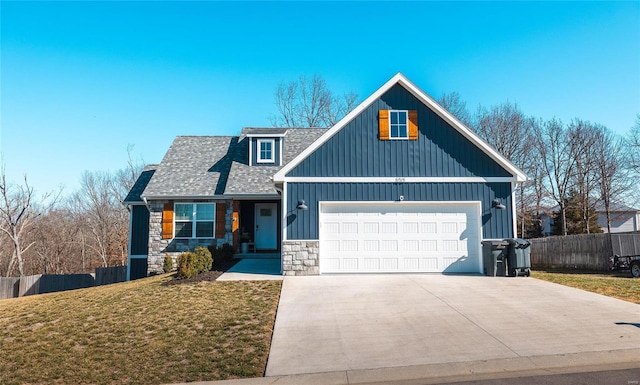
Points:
[518,243]
[495,242]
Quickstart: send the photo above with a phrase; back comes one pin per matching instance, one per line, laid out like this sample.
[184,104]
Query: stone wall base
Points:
[300,257]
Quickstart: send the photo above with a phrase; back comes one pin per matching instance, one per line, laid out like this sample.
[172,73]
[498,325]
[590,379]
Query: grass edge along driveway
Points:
[139,332]
[624,288]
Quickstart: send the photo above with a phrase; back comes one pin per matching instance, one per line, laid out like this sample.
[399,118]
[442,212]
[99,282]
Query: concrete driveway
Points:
[358,322]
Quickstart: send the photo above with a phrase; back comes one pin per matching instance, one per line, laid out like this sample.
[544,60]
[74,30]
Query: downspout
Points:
[514,212]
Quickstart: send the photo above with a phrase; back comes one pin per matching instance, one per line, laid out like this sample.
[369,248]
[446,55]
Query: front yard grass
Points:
[624,288]
[139,332]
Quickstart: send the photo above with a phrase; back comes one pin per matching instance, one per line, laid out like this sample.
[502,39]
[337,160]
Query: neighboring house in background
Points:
[623,218]
[397,185]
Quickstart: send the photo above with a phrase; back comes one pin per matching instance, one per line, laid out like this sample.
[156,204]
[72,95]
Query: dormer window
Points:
[265,145]
[266,151]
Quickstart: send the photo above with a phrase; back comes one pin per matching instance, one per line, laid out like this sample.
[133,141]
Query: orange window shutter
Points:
[413,125]
[167,220]
[221,212]
[383,123]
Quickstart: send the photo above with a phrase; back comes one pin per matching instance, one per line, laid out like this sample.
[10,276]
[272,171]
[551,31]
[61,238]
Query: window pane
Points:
[403,131]
[394,117]
[184,229]
[394,131]
[402,117]
[265,212]
[204,229]
[183,211]
[205,211]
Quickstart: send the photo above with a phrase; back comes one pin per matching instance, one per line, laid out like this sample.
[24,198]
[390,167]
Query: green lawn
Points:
[139,332]
[616,286]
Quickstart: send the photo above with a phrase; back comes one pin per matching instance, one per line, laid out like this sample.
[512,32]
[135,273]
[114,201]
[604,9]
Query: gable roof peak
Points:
[399,78]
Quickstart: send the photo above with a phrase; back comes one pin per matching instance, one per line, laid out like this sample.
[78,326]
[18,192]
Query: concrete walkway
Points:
[366,322]
[254,269]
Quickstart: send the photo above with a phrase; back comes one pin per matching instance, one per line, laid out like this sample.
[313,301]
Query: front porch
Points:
[257,225]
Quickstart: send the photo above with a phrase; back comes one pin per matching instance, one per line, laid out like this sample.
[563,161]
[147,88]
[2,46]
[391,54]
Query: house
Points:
[397,185]
[623,218]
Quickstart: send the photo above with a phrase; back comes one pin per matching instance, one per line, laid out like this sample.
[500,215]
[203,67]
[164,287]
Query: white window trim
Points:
[259,158]
[406,112]
[194,221]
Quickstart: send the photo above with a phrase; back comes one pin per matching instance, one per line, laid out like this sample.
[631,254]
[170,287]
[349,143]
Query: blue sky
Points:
[81,81]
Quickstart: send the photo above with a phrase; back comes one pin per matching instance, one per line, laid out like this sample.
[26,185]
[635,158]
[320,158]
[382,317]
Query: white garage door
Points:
[372,237]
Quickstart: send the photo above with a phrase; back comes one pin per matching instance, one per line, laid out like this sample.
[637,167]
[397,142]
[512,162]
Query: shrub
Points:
[203,258]
[193,263]
[186,265]
[167,265]
[222,253]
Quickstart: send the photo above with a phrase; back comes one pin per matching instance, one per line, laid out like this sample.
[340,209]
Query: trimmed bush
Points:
[193,263]
[222,253]
[167,265]
[186,265]
[204,259]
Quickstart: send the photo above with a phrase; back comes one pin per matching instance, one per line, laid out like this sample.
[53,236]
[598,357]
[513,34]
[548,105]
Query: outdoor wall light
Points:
[498,204]
[302,206]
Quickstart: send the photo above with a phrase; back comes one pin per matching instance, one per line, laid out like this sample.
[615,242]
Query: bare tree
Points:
[308,102]
[556,161]
[613,177]
[633,144]
[18,212]
[584,135]
[510,132]
[560,148]
[453,103]
[98,207]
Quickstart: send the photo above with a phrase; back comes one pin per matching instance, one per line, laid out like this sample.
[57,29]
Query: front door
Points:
[266,231]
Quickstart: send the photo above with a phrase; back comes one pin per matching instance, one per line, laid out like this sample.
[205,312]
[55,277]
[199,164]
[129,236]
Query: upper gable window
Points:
[266,151]
[398,124]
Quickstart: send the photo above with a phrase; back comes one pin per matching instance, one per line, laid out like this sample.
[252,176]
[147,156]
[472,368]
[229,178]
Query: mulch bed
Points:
[217,270]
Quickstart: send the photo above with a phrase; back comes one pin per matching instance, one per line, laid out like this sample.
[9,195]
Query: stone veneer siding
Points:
[300,257]
[159,247]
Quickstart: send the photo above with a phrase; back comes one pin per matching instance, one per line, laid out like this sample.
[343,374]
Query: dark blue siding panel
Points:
[254,152]
[440,150]
[304,224]
[139,230]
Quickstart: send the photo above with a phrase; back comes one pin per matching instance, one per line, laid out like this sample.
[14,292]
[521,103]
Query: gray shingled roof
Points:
[205,166]
[140,184]
[245,179]
[192,167]
[263,131]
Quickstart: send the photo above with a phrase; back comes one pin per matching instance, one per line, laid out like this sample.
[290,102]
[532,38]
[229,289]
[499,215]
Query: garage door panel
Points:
[383,237]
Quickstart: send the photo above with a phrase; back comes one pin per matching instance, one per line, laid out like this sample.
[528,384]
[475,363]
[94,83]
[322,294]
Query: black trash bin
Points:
[494,255]
[519,257]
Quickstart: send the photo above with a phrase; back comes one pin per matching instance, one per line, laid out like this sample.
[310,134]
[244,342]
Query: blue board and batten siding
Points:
[357,151]
[276,152]
[304,224]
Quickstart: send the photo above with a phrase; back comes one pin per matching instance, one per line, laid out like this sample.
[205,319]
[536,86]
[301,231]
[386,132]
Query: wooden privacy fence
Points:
[107,275]
[584,251]
[50,283]
[9,287]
